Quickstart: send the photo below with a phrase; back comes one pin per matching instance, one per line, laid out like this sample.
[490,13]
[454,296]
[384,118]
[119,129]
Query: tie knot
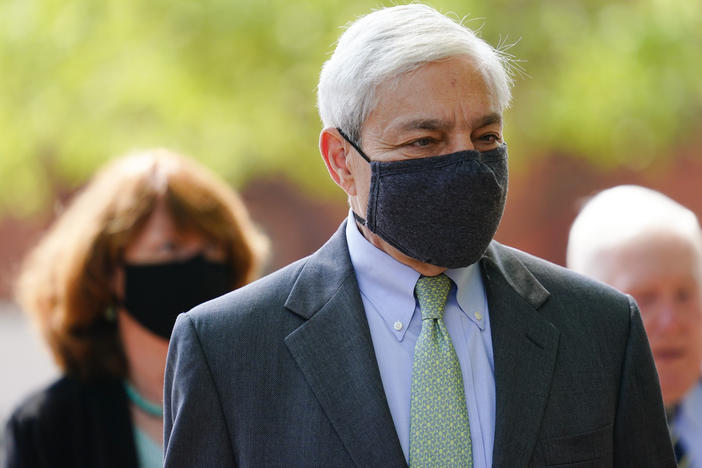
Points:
[432,292]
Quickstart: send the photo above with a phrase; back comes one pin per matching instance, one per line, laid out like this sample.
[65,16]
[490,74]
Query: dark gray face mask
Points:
[442,210]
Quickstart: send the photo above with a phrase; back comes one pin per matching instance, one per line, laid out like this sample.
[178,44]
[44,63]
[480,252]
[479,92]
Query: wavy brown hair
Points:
[65,281]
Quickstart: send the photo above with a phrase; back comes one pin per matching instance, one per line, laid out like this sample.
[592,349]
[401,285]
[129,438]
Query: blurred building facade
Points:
[542,202]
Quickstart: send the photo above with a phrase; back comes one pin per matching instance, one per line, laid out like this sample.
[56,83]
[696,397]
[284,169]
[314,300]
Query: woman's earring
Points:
[110,314]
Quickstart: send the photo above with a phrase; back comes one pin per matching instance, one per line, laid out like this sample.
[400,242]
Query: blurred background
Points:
[606,92]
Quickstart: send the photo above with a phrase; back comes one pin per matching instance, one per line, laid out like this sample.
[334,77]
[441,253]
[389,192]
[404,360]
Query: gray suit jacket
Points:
[282,373]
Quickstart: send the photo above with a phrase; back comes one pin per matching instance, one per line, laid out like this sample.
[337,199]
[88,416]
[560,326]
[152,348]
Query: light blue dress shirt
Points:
[387,291]
[688,423]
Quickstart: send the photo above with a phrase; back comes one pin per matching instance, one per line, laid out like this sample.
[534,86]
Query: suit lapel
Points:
[525,347]
[334,350]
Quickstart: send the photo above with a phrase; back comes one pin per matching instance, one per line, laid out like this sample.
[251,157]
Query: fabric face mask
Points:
[442,210]
[156,293]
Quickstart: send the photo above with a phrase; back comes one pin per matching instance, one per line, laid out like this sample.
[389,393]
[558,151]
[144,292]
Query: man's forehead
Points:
[647,258]
[438,95]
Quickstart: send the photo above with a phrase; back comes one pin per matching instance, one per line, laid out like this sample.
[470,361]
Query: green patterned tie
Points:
[439,427]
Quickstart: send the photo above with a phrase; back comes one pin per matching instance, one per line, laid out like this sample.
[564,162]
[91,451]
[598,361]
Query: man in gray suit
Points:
[411,336]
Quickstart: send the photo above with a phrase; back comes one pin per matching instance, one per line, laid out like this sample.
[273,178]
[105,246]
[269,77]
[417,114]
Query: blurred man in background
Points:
[647,245]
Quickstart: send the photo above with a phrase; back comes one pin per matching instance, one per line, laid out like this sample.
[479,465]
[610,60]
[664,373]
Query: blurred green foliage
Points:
[232,82]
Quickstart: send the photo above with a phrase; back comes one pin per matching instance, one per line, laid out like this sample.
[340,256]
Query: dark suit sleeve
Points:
[195,430]
[16,450]
[640,433]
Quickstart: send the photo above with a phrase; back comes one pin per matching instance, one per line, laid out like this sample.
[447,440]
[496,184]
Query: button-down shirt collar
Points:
[389,284]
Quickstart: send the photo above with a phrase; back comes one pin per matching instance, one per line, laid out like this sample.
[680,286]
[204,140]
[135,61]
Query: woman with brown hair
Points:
[150,236]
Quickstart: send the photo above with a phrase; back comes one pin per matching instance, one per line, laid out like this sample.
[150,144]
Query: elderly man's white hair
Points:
[620,215]
[389,42]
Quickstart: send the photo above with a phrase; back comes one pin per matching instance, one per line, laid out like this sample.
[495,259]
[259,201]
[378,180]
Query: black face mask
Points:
[154,294]
[441,210]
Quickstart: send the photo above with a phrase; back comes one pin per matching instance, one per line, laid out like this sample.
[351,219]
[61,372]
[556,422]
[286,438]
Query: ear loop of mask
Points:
[363,155]
[356,147]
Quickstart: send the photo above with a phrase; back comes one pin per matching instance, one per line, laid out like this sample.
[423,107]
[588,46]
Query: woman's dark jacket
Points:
[71,424]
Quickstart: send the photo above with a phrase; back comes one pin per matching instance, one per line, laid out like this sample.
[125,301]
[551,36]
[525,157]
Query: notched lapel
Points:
[525,347]
[334,350]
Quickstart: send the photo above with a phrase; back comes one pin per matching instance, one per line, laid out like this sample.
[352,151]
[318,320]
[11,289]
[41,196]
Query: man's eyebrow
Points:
[440,124]
[488,120]
[425,124]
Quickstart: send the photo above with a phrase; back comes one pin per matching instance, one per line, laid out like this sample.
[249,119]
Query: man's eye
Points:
[422,142]
[490,138]
[646,298]
[168,246]
[682,296]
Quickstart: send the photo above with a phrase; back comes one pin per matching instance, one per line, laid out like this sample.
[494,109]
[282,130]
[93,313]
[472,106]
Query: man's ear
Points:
[335,152]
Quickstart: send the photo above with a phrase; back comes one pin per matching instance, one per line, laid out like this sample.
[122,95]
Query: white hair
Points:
[618,216]
[389,42]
